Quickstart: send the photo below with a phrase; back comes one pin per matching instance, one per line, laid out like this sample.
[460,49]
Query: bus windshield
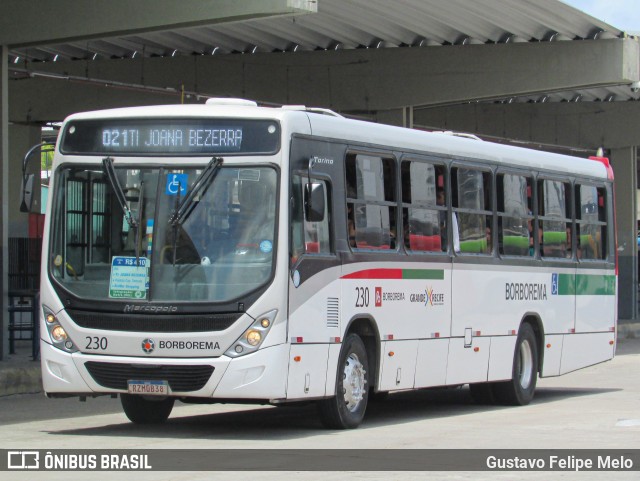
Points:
[219,249]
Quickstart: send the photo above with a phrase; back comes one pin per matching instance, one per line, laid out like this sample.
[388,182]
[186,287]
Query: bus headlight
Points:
[254,336]
[57,334]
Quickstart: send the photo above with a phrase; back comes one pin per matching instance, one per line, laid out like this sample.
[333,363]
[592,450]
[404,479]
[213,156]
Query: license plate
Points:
[148,388]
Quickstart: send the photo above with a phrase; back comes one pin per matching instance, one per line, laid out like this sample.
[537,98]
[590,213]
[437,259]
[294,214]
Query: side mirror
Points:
[314,207]
[26,193]
[30,181]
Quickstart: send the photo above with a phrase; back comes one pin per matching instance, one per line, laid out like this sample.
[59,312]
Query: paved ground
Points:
[595,408]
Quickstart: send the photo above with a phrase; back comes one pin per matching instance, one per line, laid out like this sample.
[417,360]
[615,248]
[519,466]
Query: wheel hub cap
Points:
[354,382]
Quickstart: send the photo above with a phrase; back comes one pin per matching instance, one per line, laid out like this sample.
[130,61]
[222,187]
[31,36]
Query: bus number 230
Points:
[96,343]
[362,297]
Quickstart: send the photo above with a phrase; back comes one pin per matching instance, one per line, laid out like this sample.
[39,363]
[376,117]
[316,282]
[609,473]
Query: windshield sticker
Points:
[149,237]
[266,246]
[249,174]
[176,183]
[129,280]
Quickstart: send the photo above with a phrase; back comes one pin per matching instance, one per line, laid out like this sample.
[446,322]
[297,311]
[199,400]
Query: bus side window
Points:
[554,212]
[424,209]
[371,206]
[472,210]
[515,220]
[591,218]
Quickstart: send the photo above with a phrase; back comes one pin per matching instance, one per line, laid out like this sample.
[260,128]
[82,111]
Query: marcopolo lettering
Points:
[521,291]
[189,345]
[149,309]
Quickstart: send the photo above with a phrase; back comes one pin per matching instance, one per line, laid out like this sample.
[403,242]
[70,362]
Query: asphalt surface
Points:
[594,408]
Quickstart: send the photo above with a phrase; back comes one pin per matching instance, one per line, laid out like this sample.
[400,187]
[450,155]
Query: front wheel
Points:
[346,409]
[142,410]
[520,389]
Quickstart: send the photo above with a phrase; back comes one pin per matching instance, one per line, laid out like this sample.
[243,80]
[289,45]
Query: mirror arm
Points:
[24,205]
[312,161]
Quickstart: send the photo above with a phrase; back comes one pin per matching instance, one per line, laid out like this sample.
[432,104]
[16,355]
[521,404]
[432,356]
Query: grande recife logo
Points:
[434,298]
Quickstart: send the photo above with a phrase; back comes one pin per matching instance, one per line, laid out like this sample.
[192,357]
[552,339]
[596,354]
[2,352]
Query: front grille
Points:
[155,323]
[180,378]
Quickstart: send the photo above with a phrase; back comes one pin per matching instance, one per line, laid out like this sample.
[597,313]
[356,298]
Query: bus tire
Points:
[520,389]
[377,396]
[141,410]
[346,409]
[482,393]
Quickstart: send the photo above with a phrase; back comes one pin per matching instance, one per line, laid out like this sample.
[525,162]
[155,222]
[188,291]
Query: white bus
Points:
[229,252]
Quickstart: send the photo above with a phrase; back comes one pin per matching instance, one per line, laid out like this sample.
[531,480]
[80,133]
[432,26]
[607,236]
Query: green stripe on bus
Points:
[586,285]
[386,273]
[566,284]
[433,274]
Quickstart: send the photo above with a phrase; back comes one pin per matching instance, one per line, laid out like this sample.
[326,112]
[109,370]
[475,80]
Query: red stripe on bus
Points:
[375,274]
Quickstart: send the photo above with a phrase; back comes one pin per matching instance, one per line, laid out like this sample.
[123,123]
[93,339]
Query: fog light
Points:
[58,334]
[239,349]
[68,345]
[265,323]
[254,337]
[50,318]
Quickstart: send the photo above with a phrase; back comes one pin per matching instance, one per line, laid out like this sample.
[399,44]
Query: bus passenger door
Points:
[474,310]
[314,295]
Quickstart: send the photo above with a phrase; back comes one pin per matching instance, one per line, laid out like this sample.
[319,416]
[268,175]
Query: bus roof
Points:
[445,144]
[358,131]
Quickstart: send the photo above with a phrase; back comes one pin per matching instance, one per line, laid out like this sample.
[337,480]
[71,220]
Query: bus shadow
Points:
[451,402]
[273,423]
[627,346]
[301,421]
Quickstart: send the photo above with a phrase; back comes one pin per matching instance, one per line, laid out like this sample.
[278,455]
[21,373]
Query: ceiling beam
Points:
[362,80]
[587,125]
[44,22]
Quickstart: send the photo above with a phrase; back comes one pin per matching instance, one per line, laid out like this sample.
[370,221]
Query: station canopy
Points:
[333,25]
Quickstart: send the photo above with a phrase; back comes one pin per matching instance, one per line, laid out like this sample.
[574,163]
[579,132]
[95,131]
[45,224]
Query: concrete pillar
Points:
[4,198]
[625,165]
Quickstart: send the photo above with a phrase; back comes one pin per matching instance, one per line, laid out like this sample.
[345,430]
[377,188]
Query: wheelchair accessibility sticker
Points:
[176,183]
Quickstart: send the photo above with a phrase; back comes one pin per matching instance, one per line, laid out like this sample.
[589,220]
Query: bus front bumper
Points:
[261,375]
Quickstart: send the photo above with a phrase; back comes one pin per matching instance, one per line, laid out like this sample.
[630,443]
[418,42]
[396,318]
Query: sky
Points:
[622,14]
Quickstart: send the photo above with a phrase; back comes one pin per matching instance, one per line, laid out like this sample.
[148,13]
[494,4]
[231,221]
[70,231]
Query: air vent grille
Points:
[333,312]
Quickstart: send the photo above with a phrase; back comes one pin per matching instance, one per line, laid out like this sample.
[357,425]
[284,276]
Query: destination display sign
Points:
[171,136]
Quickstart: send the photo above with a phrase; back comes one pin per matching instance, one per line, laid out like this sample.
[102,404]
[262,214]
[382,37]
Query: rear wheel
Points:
[482,393]
[520,389]
[142,410]
[346,409]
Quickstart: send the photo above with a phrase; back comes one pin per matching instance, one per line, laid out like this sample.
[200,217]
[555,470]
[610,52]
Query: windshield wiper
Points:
[182,212]
[107,164]
[138,230]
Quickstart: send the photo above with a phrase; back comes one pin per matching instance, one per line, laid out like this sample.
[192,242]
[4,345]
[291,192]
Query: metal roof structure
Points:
[348,24]
[360,24]
[353,24]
